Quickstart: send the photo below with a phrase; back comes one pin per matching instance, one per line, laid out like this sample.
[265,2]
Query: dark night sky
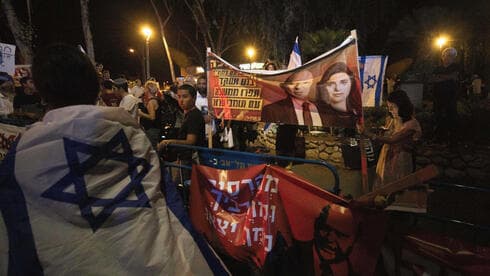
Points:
[115,28]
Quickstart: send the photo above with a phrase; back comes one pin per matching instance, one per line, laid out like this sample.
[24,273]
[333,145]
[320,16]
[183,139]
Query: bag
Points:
[352,154]
[299,147]
[166,116]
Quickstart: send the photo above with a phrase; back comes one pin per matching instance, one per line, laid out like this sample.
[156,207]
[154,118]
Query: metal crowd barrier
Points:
[460,221]
[229,159]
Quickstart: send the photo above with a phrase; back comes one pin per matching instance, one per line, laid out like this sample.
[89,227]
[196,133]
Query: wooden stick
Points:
[404,183]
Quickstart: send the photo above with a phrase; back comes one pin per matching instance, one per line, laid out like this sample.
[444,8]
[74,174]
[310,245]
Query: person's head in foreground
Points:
[65,76]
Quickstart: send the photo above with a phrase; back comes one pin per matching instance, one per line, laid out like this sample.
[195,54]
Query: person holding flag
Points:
[81,190]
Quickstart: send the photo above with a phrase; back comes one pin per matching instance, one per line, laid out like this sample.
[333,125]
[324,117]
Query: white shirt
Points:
[298,108]
[202,105]
[130,104]
[137,91]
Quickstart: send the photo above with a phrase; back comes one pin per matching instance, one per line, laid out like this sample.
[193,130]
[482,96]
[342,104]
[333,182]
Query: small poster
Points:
[7,58]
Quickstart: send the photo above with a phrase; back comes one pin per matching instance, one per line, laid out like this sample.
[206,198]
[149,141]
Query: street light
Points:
[146,31]
[250,51]
[441,41]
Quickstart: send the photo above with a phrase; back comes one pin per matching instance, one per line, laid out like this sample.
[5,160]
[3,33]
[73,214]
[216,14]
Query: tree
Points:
[222,25]
[420,29]
[162,25]
[86,29]
[316,43]
[21,31]
[216,21]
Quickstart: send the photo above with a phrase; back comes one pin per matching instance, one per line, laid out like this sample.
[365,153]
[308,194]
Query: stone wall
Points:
[463,164]
[321,146]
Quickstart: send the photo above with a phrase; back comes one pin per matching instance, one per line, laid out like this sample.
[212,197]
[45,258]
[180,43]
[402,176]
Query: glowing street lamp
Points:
[250,52]
[146,31]
[441,41]
[131,50]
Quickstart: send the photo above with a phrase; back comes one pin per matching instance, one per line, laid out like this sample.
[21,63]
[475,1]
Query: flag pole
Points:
[362,142]
[210,114]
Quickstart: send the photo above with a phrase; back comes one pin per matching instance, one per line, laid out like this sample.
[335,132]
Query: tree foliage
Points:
[420,30]
[316,43]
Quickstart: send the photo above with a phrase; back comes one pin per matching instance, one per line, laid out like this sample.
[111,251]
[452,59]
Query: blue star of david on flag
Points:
[371,81]
[138,168]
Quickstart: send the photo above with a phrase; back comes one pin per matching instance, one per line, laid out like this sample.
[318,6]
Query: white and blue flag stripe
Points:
[295,57]
[81,194]
[372,70]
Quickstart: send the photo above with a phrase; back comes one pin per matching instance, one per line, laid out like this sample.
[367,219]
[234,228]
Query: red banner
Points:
[8,135]
[269,217]
[325,91]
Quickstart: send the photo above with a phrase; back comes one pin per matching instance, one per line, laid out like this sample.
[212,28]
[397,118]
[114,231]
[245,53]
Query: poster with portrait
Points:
[258,216]
[7,58]
[325,91]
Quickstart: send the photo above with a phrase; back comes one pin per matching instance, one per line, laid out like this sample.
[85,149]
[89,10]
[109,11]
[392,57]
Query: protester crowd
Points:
[92,101]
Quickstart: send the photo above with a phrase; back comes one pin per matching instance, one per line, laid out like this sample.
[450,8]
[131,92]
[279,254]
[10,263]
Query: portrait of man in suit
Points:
[296,108]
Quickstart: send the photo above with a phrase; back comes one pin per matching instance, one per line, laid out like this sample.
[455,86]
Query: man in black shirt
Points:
[192,130]
[446,83]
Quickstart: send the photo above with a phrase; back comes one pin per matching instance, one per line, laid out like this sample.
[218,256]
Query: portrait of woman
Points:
[338,96]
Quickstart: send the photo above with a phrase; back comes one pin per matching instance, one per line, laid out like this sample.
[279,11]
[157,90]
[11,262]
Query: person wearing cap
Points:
[446,82]
[128,101]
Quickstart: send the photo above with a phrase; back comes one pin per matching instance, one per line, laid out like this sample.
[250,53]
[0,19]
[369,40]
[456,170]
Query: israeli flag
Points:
[80,194]
[372,70]
[295,57]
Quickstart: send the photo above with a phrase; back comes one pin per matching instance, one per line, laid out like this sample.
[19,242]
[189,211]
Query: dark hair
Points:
[24,80]
[123,86]
[65,76]
[4,77]
[189,88]
[354,101]
[405,106]
[268,62]
[107,84]
[121,82]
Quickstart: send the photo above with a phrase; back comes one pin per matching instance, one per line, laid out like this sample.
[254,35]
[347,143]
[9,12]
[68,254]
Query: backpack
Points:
[168,116]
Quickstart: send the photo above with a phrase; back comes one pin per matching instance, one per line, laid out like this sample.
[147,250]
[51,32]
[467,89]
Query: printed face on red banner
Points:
[329,86]
[264,211]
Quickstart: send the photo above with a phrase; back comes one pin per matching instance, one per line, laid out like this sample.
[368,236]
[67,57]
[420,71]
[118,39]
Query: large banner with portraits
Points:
[277,222]
[325,91]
